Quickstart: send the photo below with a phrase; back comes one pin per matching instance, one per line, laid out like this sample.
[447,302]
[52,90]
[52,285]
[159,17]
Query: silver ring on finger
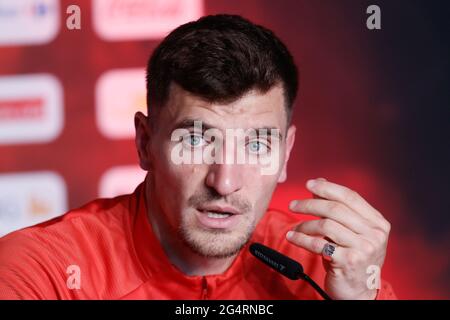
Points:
[328,251]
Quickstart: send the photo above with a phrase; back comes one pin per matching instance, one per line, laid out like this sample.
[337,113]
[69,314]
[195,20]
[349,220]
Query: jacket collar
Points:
[156,263]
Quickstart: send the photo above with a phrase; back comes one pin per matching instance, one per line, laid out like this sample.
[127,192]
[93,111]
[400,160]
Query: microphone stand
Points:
[284,265]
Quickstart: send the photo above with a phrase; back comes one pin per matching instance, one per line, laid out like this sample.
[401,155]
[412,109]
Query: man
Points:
[184,232]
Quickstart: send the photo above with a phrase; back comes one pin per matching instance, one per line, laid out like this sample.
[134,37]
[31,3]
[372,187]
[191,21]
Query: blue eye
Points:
[254,146]
[257,147]
[194,140]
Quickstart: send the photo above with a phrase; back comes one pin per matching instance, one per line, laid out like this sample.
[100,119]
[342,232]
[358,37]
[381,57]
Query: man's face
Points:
[214,207]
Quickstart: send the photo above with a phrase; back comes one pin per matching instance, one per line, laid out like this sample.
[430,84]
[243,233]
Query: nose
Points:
[225,178]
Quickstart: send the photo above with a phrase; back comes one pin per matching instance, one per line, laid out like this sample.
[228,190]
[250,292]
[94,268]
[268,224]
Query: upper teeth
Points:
[217,215]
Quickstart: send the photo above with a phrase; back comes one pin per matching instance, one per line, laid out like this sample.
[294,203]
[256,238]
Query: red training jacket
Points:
[116,256]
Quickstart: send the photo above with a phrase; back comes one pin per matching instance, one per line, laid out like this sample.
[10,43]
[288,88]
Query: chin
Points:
[215,243]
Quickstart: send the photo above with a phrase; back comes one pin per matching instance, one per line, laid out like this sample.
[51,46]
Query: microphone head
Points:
[274,259]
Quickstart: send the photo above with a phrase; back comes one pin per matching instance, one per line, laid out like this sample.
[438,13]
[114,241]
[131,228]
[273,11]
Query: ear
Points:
[142,140]
[290,139]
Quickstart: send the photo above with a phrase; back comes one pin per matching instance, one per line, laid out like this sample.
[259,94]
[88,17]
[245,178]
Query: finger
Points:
[350,198]
[332,210]
[331,229]
[315,196]
[314,245]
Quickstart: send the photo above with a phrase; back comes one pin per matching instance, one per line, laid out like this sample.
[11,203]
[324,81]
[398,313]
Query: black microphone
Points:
[284,265]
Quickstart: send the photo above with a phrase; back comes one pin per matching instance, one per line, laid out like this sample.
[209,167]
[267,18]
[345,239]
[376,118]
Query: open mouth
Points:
[216,211]
[217,216]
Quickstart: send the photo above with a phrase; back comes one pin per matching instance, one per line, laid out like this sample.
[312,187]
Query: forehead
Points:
[252,109]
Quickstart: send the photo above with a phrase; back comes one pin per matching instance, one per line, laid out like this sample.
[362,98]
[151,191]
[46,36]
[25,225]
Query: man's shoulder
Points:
[94,214]
[272,232]
[276,220]
[38,256]
[273,227]
[67,232]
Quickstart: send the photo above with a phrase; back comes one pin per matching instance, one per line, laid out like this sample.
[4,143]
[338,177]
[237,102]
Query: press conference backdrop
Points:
[372,112]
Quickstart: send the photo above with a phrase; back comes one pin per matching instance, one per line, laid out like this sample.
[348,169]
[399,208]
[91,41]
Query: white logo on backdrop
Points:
[119,94]
[120,180]
[142,19]
[30,198]
[28,22]
[31,108]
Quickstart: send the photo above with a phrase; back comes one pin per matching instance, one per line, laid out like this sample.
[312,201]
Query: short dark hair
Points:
[220,58]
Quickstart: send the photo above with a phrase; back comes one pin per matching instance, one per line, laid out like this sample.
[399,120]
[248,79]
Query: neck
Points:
[179,254]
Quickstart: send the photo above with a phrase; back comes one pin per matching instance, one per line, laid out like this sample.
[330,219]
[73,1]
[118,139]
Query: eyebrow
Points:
[269,130]
[189,123]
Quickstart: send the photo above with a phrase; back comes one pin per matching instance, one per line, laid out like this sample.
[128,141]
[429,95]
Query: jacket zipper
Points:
[204,288]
